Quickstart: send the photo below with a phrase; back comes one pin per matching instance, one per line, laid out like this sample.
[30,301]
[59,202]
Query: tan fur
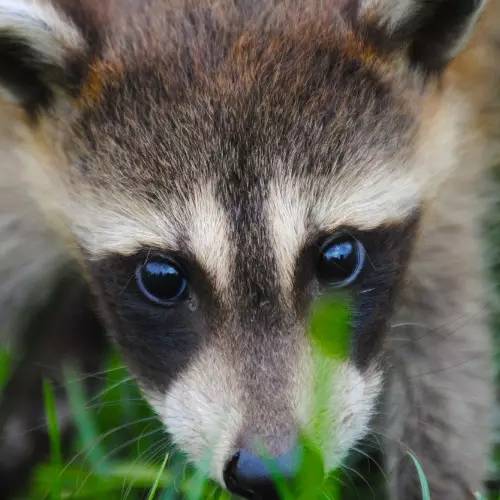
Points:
[31,255]
[111,186]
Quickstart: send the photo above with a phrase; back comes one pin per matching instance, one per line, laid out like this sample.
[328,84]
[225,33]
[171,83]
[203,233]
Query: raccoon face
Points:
[226,172]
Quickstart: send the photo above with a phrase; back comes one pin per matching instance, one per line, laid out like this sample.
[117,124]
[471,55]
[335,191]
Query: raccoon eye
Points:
[340,261]
[161,281]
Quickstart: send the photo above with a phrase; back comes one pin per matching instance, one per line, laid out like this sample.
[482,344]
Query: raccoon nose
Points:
[253,477]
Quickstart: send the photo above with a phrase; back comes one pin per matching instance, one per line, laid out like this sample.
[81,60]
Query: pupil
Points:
[162,281]
[339,261]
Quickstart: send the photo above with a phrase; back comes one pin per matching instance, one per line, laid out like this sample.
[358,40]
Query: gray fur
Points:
[440,394]
[278,122]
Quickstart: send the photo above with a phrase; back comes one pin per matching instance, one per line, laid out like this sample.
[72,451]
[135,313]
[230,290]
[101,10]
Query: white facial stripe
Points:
[121,225]
[375,199]
[287,211]
[208,234]
[295,210]
[202,411]
[124,225]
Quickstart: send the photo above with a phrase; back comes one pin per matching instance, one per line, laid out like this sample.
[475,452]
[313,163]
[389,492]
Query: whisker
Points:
[102,437]
[113,452]
[110,388]
[347,473]
[450,326]
[372,459]
[97,374]
[147,456]
[117,402]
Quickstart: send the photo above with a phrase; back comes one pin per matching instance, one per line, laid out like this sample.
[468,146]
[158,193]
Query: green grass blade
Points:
[54,434]
[426,493]
[5,368]
[154,489]
[195,486]
[85,424]
[140,476]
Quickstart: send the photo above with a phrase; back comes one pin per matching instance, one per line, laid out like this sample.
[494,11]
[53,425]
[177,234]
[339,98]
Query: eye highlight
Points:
[341,260]
[161,281]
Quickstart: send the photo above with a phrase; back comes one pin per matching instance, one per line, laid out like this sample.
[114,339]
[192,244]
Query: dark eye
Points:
[161,281]
[341,260]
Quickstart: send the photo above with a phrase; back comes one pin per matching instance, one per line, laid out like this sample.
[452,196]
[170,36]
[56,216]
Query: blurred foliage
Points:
[119,450]
[5,368]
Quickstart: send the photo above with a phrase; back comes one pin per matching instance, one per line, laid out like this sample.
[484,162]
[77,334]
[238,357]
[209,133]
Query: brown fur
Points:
[282,121]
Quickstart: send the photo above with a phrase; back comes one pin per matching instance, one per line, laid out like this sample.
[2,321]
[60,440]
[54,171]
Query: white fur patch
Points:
[287,216]
[208,232]
[203,409]
[121,224]
[202,412]
[353,406]
[298,212]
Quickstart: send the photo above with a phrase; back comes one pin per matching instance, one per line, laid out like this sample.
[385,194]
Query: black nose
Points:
[254,478]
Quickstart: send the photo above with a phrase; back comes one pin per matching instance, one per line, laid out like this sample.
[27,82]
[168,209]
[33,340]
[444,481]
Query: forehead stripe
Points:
[124,226]
[293,211]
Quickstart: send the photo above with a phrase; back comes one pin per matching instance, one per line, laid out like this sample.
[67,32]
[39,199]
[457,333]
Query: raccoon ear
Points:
[432,31]
[41,53]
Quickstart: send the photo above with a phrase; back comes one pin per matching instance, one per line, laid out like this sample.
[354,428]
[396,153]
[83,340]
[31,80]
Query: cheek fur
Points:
[202,411]
[356,396]
[335,403]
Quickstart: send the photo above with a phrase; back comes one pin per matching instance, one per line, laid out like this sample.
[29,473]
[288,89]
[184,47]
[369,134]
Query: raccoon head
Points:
[227,169]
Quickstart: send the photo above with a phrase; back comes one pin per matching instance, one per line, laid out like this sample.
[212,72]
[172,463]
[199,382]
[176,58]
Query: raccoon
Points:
[217,167]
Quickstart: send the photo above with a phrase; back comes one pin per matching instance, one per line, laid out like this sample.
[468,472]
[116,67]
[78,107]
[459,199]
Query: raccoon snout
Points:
[254,477]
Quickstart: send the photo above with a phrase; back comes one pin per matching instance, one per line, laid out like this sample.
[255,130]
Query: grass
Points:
[120,450]
[5,369]
[54,436]
[426,494]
